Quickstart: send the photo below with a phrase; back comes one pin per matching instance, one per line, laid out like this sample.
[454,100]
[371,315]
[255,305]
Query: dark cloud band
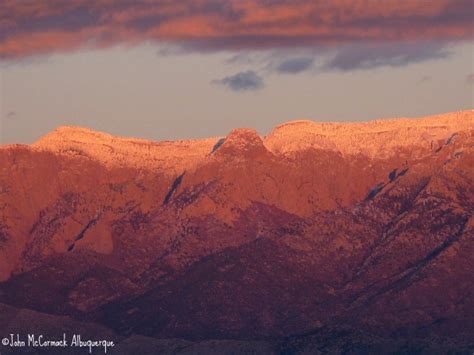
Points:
[32,27]
[378,55]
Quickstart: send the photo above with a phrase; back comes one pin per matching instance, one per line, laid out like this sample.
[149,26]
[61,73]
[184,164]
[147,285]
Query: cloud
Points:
[243,81]
[379,55]
[10,115]
[295,65]
[245,58]
[29,28]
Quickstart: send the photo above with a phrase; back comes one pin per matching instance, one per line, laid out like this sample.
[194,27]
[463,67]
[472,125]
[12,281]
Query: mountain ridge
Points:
[310,239]
[288,137]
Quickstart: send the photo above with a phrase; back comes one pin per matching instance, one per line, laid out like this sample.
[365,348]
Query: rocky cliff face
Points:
[318,236]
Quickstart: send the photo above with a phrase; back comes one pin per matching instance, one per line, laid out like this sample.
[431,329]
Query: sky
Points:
[162,69]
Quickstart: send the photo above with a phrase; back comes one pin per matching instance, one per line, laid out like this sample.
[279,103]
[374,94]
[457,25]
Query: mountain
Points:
[317,238]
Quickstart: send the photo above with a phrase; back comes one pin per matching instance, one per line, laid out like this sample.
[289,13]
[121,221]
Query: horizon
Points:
[262,135]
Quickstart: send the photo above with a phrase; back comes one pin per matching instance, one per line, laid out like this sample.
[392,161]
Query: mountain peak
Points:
[173,156]
[243,141]
[64,134]
[244,135]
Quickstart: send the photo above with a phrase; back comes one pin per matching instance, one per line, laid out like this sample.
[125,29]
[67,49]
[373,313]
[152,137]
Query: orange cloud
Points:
[32,27]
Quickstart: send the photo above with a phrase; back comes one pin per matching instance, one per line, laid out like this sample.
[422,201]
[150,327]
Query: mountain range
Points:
[316,238]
